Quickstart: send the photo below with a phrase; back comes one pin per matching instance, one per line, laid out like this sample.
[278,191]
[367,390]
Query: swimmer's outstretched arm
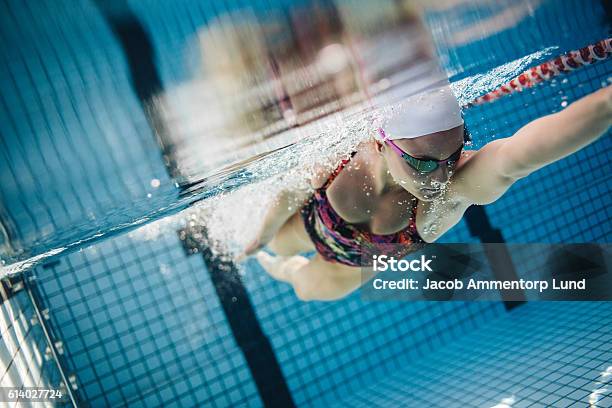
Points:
[495,167]
[312,279]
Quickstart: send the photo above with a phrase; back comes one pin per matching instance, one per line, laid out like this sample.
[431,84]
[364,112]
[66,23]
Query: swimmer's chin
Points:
[429,195]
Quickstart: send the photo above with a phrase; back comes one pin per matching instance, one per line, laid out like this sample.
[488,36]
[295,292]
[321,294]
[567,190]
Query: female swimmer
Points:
[409,187]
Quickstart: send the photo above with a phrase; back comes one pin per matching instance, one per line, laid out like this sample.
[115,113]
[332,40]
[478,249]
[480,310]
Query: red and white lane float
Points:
[549,69]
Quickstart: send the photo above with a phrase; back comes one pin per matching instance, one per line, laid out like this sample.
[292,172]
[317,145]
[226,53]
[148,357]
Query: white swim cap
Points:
[433,111]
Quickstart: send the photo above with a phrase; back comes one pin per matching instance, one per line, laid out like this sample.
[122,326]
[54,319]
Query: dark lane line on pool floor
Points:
[233,296]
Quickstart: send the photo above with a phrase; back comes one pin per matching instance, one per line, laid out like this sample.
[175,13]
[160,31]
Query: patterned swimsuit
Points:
[338,241]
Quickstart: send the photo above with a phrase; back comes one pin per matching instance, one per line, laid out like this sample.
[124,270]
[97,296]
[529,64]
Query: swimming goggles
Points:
[421,165]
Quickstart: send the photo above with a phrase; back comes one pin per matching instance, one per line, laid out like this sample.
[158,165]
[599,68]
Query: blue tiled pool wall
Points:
[24,361]
[541,355]
[68,111]
[142,326]
[330,350]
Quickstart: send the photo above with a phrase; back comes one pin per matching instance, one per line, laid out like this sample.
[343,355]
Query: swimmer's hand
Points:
[282,268]
[250,249]
[254,246]
[283,207]
[258,243]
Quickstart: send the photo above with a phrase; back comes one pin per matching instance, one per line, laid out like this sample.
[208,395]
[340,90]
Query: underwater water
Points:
[103,197]
[68,179]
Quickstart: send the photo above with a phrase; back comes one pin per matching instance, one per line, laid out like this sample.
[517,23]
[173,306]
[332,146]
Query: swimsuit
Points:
[340,242]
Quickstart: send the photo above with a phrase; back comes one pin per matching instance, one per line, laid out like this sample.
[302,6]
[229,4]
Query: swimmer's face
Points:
[436,146]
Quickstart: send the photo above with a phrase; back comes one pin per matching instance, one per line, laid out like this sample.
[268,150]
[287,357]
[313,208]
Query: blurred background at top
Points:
[114,113]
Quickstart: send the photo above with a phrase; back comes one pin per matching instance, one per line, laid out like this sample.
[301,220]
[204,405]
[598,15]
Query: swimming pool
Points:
[136,318]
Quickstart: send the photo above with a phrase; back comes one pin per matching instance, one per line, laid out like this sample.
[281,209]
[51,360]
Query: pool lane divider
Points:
[550,69]
[243,322]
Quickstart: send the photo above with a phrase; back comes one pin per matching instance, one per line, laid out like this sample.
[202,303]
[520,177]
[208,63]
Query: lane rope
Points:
[560,65]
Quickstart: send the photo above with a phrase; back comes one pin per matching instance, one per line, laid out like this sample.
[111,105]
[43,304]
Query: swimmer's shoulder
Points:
[477,179]
[322,172]
[460,187]
[466,156]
